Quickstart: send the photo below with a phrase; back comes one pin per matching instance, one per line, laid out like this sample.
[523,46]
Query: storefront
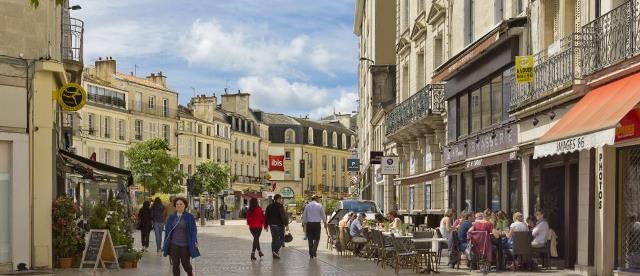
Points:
[594,149]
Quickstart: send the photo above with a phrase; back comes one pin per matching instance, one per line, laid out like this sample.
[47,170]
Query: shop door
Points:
[480,184]
[552,196]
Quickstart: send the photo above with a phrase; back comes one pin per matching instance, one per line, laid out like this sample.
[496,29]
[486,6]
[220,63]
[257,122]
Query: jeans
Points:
[180,255]
[255,232]
[313,237]
[145,237]
[157,231]
[277,237]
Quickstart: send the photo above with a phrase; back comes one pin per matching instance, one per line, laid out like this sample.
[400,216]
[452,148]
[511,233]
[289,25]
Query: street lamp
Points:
[75,7]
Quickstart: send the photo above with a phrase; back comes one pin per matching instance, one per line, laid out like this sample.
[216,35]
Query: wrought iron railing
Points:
[429,100]
[157,110]
[72,36]
[612,37]
[554,68]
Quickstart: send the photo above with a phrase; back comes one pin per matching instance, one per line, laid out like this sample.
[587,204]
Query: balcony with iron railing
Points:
[555,68]
[612,37]
[423,104]
[71,47]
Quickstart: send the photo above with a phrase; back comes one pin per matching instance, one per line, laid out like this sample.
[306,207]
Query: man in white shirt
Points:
[312,216]
[540,231]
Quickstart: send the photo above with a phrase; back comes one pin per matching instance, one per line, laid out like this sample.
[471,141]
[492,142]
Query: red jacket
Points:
[255,219]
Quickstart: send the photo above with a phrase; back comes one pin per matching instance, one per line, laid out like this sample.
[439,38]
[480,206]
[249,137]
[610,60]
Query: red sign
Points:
[276,163]
[629,126]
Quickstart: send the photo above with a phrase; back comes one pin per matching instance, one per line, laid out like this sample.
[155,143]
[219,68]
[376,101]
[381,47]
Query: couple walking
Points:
[277,221]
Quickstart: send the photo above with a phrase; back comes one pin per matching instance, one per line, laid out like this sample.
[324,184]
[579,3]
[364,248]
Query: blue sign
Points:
[353,165]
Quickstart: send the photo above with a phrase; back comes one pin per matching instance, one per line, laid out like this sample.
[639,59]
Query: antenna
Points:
[226,85]
[194,91]
[135,69]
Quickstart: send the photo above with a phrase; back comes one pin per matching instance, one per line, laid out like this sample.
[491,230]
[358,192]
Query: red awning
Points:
[592,121]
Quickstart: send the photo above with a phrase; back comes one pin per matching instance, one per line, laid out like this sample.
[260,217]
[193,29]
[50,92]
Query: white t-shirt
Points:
[519,226]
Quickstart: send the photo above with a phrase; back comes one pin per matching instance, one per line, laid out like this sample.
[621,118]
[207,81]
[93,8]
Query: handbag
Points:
[288,237]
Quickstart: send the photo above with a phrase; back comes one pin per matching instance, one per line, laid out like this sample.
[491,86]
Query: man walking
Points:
[276,219]
[312,215]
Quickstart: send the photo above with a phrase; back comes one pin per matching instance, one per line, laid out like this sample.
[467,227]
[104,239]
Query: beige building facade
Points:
[203,134]
[37,58]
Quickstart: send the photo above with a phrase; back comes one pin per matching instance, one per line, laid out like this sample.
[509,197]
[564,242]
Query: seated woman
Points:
[518,225]
[395,220]
[464,227]
[482,225]
[379,220]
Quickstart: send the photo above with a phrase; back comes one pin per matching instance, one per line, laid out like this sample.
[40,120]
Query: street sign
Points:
[71,97]
[390,165]
[353,165]
[375,157]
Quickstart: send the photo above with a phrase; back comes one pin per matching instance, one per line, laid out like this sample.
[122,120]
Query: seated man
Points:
[355,230]
[540,231]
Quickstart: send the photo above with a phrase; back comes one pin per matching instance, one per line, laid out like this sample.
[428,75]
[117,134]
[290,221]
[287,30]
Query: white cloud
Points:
[278,95]
[125,38]
[258,51]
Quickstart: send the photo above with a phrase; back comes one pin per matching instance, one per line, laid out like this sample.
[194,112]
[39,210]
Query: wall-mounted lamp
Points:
[535,121]
[367,59]
[478,139]
[509,129]
[552,115]
[493,134]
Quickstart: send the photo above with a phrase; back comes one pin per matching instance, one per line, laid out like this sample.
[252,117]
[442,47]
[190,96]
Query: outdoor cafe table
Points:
[435,242]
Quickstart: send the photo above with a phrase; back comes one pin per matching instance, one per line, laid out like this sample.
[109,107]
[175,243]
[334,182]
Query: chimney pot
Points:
[132,73]
[100,58]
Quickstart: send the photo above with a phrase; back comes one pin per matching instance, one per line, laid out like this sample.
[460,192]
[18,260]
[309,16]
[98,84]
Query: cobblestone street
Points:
[225,251]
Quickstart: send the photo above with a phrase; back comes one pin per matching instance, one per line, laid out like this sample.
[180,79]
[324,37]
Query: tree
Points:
[210,177]
[36,3]
[151,165]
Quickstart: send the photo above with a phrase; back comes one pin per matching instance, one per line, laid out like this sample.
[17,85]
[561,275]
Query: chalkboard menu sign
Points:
[93,246]
[99,249]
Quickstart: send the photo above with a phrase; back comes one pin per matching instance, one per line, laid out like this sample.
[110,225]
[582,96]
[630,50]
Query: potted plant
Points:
[403,229]
[130,258]
[67,237]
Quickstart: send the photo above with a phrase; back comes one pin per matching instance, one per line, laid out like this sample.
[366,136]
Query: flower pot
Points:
[65,263]
[120,249]
[127,264]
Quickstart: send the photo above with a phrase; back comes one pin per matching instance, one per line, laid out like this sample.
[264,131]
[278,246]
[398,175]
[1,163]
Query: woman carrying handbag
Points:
[181,238]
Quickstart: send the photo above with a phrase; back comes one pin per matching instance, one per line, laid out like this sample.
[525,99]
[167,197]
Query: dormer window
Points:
[289,136]
[344,141]
[325,138]
[334,140]
[310,136]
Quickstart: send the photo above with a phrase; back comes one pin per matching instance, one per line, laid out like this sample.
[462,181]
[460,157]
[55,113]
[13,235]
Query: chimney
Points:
[158,78]
[105,68]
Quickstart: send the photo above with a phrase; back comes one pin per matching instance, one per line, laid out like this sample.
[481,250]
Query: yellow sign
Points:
[71,97]
[524,69]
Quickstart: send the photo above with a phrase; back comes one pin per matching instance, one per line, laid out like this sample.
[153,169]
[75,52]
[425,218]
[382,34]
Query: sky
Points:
[296,57]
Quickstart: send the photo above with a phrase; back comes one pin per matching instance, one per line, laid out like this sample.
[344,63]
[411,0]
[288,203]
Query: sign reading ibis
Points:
[353,165]
[276,163]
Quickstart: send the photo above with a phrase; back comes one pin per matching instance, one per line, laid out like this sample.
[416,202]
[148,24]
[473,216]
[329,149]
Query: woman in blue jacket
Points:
[181,238]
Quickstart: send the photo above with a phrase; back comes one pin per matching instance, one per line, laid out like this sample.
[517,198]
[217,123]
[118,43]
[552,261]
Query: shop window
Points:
[496,101]
[453,192]
[467,192]
[464,115]
[485,92]
[475,111]
[494,181]
[628,200]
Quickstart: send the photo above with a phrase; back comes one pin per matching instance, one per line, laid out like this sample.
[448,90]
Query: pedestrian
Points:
[169,209]
[256,221]
[145,224]
[181,238]
[223,210]
[276,219]
[313,214]
[158,222]
[304,229]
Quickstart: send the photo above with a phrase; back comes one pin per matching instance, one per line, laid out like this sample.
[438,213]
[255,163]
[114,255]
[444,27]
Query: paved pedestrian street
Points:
[225,251]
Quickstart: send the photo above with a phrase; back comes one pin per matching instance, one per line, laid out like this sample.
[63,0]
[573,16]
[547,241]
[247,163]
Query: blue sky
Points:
[294,56]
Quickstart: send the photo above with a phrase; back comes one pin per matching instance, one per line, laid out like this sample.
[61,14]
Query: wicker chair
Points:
[543,253]
[385,248]
[428,257]
[441,244]
[521,250]
[404,257]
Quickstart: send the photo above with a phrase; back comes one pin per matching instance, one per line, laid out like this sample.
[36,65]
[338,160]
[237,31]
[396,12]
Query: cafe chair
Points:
[521,251]
[441,244]
[386,250]
[404,257]
[428,257]
[543,253]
